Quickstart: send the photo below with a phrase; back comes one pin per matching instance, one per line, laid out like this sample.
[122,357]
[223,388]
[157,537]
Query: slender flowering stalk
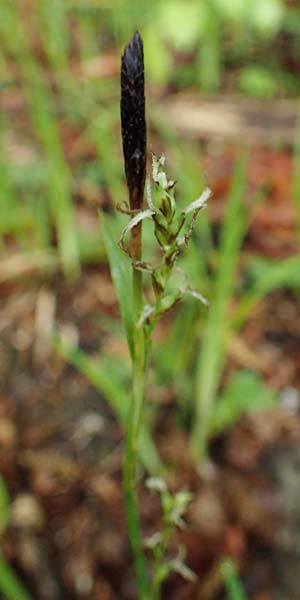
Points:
[173,229]
[134,149]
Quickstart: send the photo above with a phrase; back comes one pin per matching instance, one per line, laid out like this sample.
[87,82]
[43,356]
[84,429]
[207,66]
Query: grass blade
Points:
[10,586]
[4,506]
[211,358]
[245,392]
[121,276]
[268,276]
[41,110]
[233,583]
[105,379]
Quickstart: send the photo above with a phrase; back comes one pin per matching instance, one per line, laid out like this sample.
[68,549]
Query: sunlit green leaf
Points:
[267,15]
[180,21]
[258,81]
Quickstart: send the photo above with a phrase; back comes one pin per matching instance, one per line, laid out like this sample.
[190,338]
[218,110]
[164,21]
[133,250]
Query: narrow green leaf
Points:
[4,506]
[10,586]
[55,30]
[212,355]
[105,378]
[121,275]
[233,583]
[209,53]
[267,276]
[40,106]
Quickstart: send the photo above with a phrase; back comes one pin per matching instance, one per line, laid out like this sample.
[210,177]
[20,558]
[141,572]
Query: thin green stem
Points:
[139,368]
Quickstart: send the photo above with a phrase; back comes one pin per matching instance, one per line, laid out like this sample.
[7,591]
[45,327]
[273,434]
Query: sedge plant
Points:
[173,229]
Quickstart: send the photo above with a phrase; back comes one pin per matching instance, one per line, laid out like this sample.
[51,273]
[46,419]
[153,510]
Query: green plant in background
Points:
[40,108]
[202,28]
[233,584]
[41,191]
[198,29]
[104,375]
[244,392]
[257,81]
[216,36]
[206,339]
[212,354]
[10,586]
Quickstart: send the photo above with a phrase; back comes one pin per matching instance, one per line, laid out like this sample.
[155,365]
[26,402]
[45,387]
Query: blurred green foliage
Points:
[187,43]
[196,43]
[233,584]
[11,587]
[208,45]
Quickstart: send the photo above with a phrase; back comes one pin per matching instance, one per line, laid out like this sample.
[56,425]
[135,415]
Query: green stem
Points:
[139,367]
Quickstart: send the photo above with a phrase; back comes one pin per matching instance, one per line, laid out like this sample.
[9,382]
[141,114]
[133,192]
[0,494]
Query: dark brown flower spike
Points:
[133,119]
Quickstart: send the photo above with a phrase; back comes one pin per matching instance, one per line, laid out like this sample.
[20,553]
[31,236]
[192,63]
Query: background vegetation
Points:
[60,162]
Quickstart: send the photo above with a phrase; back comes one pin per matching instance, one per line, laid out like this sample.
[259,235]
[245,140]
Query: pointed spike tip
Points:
[133,56]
